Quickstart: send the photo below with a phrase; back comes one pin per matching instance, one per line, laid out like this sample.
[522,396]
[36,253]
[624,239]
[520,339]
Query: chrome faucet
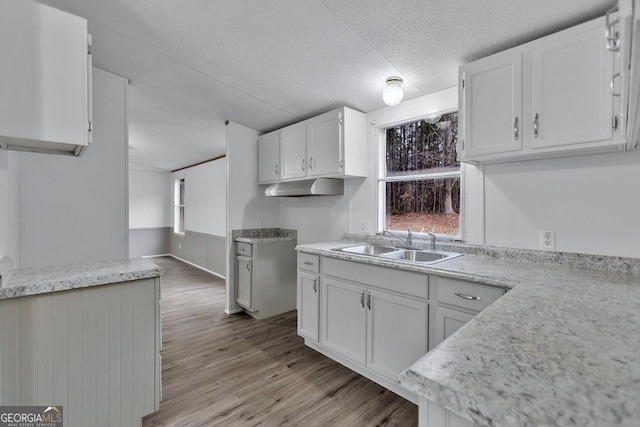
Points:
[408,241]
[433,240]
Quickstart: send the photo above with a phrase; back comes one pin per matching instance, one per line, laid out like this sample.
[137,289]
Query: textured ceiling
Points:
[264,64]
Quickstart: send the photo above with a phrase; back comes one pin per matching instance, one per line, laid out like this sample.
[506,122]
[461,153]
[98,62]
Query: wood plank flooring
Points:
[221,370]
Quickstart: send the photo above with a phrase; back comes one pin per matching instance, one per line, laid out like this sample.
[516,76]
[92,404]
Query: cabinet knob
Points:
[315,285]
[362,299]
[302,165]
[310,163]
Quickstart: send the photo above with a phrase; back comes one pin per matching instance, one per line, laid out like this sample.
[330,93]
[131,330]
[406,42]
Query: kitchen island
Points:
[560,348]
[86,337]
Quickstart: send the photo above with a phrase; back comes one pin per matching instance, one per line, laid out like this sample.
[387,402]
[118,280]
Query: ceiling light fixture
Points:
[392,94]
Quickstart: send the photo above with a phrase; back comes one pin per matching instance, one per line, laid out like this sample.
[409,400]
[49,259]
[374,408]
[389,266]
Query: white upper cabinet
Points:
[332,145]
[547,98]
[45,79]
[269,158]
[293,143]
[571,99]
[493,105]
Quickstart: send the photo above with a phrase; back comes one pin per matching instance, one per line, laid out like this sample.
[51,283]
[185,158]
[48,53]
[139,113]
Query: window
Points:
[178,206]
[419,184]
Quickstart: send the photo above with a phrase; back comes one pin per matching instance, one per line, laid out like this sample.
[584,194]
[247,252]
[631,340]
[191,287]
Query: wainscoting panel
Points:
[93,351]
[204,250]
[149,241]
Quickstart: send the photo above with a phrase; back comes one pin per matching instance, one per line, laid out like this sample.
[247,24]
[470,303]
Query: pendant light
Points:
[392,94]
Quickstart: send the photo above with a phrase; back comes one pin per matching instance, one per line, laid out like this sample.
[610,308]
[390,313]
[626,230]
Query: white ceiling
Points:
[264,64]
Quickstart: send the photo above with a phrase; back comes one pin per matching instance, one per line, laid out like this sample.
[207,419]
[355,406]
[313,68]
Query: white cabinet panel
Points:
[269,158]
[571,95]
[397,333]
[308,305]
[344,319]
[244,280]
[448,321]
[492,106]
[325,144]
[45,86]
[294,151]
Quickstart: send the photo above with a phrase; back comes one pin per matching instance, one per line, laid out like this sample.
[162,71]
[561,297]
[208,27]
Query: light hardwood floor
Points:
[220,370]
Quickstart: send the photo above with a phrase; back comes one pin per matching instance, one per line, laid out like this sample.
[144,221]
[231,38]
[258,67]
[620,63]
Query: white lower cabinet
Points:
[308,305]
[344,320]
[397,333]
[384,332]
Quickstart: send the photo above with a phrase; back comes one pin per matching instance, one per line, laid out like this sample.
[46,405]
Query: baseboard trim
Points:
[197,266]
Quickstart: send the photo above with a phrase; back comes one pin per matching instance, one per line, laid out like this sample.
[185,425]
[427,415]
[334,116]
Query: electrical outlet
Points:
[364,226]
[547,239]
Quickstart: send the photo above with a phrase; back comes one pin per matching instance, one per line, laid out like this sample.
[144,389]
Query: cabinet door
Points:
[44,76]
[571,98]
[344,319]
[397,333]
[244,281]
[492,105]
[308,305]
[325,144]
[294,151]
[448,321]
[269,158]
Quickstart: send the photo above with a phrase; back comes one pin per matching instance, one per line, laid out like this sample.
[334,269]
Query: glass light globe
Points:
[392,94]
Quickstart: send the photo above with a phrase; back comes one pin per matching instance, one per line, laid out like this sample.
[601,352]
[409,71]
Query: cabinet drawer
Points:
[243,248]
[309,262]
[390,279]
[465,294]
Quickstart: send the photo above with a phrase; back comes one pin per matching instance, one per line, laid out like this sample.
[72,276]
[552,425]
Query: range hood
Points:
[307,187]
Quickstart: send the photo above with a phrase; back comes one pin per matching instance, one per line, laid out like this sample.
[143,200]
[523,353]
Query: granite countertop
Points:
[41,280]
[560,348]
[256,235]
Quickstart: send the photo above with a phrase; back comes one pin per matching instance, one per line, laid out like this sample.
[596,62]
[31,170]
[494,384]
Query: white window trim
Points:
[175,199]
[442,102]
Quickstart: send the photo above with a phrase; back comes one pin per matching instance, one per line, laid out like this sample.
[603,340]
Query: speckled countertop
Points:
[41,280]
[561,348]
[255,235]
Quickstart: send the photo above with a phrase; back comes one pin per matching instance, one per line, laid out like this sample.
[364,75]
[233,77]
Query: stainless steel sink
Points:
[400,254]
[426,257]
[373,250]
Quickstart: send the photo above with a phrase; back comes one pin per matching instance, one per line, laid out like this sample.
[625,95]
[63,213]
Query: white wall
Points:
[246,203]
[74,209]
[9,205]
[150,200]
[205,197]
[591,202]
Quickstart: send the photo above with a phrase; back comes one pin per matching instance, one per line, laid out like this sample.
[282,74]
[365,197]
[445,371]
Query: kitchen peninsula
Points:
[86,337]
[559,348]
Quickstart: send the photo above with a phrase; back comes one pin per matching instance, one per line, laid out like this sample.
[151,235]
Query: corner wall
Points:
[9,209]
[74,209]
[246,203]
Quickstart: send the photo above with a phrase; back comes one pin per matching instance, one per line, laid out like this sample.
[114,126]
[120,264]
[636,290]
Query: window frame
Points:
[382,179]
[177,207]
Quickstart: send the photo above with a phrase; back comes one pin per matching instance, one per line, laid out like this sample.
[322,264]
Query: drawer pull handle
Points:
[469,297]
[362,299]
[242,249]
[369,300]
[308,263]
[315,285]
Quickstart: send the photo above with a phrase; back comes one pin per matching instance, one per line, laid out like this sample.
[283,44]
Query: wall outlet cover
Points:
[547,239]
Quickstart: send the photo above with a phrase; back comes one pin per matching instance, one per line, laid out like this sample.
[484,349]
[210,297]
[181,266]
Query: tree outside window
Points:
[420,186]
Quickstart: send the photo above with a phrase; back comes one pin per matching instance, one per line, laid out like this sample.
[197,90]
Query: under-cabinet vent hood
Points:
[307,187]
